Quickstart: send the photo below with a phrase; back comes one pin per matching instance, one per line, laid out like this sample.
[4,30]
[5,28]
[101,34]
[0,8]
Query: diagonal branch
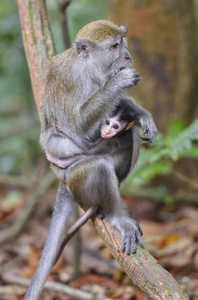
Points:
[143,269]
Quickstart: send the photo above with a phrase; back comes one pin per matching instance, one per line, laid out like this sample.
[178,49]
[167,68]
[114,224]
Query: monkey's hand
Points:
[62,128]
[60,163]
[149,129]
[127,77]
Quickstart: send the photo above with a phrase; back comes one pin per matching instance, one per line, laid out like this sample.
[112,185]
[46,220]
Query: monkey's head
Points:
[114,125]
[121,118]
[104,44]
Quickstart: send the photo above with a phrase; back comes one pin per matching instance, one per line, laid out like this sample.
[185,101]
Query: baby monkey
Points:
[121,118]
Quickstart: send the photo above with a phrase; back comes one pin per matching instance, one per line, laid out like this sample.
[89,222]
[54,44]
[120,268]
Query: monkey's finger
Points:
[139,239]
[148,138]
[145,130]
[153,138]
[57,125]
[128,245]
[123,243]
[133,244]
[139,229]
[145,138]
[136,74]
[62,166]
[48,156]
[135,81]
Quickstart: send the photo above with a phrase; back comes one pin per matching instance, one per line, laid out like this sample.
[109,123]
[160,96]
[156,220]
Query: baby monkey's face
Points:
[112,126]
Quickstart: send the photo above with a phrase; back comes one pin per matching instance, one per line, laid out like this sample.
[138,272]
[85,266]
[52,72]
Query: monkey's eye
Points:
[83,47]
[115,45]
[115,126]
[107,122]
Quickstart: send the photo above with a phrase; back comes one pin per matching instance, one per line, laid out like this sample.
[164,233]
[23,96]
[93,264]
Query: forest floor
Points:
[170,235]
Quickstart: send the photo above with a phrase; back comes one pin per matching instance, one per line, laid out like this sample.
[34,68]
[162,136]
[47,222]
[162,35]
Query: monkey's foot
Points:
[130,233]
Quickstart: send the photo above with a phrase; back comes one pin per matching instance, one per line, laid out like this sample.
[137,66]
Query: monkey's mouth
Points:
[118,70]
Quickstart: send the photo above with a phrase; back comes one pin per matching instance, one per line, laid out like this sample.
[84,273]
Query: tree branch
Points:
[62,7]
[38,43]
[143,269]
[54,286]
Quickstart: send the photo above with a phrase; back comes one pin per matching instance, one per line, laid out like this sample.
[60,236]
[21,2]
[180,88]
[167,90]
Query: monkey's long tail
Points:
[75,227]
[63,208]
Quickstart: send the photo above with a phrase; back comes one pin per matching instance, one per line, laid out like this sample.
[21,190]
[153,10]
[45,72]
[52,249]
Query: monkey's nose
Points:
[105,132]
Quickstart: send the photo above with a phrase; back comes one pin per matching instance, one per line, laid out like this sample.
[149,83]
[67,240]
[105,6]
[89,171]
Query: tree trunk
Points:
[187,81]
[38,43]
[143,269]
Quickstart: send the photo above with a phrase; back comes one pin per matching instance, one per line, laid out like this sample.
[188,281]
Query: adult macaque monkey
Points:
[83,85]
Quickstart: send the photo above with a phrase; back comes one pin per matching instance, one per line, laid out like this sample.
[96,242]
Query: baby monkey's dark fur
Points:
[124,112]
[83,85]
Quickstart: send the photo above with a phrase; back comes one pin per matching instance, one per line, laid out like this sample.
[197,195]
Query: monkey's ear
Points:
[82,46]
[123,29]
[129,125]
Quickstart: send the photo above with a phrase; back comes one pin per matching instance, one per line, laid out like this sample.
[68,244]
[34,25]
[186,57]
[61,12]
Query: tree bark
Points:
[187,82]
[143,269]
[38,43]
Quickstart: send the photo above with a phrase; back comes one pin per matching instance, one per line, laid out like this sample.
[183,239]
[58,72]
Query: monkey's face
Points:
[113,55]
[112,126]
[101,45]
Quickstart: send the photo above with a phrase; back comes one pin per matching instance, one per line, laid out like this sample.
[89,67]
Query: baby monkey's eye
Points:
[107,122]
[115,126]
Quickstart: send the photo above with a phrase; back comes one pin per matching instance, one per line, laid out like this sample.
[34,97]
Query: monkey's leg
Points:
[63,208]
[93,183]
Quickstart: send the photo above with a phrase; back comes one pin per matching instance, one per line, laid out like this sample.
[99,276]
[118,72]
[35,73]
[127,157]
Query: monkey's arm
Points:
[63,163]
[89,112]
[143,120]
[89,147]
[83,143]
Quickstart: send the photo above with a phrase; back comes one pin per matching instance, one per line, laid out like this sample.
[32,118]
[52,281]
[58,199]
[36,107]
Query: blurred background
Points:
[162,191]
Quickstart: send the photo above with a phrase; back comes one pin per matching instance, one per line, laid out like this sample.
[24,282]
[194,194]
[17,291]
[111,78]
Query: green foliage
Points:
[159,158]
[13,66]
[17,109]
